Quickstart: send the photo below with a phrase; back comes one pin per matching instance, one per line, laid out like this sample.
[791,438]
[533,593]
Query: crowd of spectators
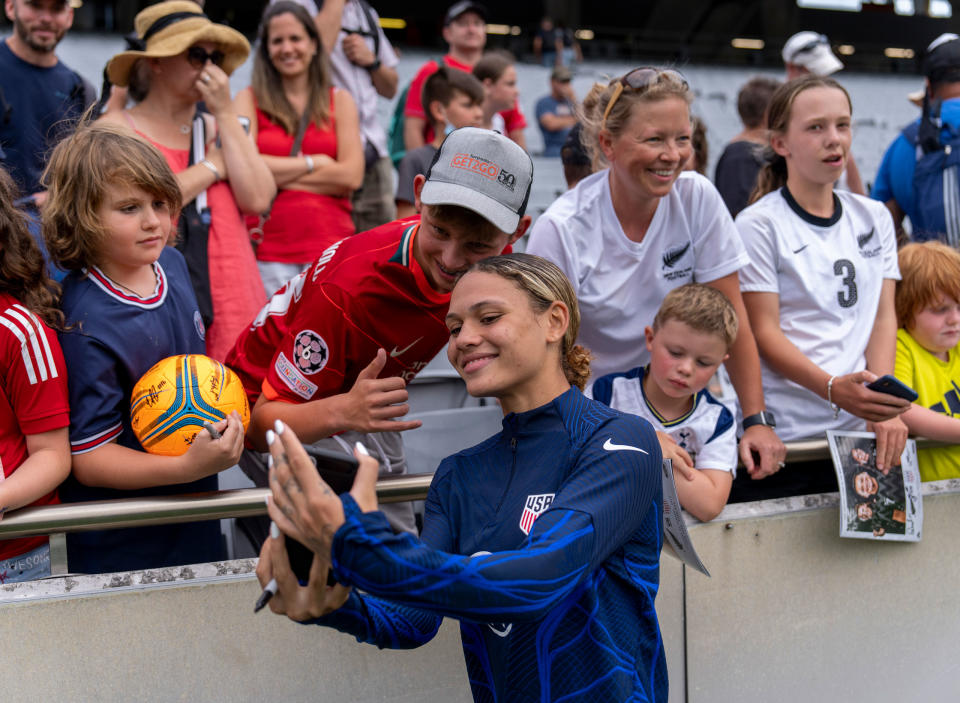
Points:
[267,230]
[276,181]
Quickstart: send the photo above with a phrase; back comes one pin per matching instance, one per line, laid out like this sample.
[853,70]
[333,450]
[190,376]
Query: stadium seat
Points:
[446,432]
[439,387]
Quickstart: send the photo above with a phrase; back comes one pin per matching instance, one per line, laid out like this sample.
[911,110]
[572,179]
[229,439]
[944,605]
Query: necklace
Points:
[128,288]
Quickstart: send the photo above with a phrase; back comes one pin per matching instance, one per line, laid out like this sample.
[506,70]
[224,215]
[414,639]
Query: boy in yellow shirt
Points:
[928,351]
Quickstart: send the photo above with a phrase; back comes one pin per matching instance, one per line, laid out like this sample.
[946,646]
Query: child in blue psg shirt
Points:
[543,541]
[128,303]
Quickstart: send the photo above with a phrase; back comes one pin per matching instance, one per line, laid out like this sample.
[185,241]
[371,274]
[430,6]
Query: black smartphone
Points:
[338,470]
[892,386]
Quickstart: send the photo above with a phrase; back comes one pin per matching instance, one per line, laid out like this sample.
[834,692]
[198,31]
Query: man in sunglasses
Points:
[40,98]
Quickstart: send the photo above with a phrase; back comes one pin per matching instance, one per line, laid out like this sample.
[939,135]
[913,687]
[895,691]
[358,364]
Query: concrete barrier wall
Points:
[791,613]
[195,638]
[794,613]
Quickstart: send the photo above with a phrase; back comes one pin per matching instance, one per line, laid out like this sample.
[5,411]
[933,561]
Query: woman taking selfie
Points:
[544,540]
[308,134]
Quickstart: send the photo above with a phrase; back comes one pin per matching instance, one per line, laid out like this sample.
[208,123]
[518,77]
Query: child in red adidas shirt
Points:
[34,414]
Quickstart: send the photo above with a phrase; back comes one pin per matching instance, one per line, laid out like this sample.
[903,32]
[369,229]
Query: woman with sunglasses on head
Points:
[186,59]
[543,541]
[308,134]
[641,226]
[820,285]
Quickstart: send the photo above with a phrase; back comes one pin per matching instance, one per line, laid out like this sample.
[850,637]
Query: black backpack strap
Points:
[193,242]
[372,26]
[927,135]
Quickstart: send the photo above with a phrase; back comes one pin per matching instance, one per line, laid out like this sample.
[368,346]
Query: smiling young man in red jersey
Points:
[332,351]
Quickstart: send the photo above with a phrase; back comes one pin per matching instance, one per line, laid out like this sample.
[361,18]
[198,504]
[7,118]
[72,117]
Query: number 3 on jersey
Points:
[845,268]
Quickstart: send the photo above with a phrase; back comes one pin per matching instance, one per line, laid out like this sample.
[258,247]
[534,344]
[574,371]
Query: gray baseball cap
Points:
[458,8]
[483,171]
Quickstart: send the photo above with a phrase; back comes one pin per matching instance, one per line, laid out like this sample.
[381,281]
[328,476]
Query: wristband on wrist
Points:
[374,66]
[213,169]
[836,408]
[310,164]
[764,417]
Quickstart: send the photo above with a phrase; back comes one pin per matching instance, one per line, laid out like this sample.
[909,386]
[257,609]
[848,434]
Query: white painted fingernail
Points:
[278,427]
[362,449]
[266,500]
[270,437]
[274,530]
[269,461]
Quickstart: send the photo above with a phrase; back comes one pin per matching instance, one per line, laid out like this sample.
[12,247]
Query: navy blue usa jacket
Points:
[544,542]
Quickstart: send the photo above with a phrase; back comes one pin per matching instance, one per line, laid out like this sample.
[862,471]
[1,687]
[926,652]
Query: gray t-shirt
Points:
[415,162]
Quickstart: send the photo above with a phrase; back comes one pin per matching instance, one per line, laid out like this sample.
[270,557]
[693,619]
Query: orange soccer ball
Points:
[177,395]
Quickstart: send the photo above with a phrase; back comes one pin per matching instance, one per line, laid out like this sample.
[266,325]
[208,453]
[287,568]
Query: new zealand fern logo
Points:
[862,239]
[672,256]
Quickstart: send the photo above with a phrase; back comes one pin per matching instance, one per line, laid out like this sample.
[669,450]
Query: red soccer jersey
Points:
[512,118]
[319,331]
[33,396]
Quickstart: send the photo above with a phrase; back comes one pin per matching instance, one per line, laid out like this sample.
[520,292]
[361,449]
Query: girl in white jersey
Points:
[640,227]
[820,282]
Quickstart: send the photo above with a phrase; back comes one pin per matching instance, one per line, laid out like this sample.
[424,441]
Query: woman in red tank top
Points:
[291,78]
[186,59]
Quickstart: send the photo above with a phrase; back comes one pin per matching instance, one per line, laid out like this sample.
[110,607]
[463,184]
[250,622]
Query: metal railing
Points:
[139,512]
[163,510]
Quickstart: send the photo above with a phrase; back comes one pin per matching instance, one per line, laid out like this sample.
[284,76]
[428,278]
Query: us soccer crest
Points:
[532,509]
[310,352]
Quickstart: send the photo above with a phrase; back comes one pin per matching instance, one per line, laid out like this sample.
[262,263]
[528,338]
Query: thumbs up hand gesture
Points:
[373,403]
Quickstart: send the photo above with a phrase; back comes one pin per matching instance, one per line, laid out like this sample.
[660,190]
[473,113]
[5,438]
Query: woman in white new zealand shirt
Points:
[632,232]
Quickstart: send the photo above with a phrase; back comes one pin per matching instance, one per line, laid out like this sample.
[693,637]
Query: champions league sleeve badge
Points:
[310,353]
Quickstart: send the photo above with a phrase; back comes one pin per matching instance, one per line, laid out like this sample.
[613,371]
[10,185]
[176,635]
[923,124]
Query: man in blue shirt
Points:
[39,92]
[895,178]
[40,98]
[557,112]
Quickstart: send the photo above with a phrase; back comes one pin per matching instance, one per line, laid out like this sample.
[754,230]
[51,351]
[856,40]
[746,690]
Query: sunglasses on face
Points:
[198,57]
[638,80]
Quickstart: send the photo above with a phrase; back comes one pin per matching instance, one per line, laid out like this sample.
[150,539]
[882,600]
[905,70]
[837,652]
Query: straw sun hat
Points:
[170,28]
